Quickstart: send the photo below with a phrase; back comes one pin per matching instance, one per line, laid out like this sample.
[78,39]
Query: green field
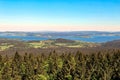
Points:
[5,46]
[52,43]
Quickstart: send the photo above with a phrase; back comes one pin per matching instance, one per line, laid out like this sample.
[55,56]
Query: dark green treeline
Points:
[72,66]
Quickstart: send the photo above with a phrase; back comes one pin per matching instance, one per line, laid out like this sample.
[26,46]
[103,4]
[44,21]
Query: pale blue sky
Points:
[59,15]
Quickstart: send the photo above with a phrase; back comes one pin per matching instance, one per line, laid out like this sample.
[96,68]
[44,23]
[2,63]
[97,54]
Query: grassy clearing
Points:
[42,44]
[4,47]
[37,44]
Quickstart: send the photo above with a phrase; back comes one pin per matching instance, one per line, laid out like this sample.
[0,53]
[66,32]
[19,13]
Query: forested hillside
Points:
[54,66]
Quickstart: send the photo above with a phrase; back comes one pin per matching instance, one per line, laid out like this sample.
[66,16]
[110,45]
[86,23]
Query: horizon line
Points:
[63,31]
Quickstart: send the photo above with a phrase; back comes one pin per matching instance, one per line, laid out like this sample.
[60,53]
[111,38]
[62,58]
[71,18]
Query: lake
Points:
[97,38]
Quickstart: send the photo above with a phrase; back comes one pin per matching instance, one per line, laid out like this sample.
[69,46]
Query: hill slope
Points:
[112,44]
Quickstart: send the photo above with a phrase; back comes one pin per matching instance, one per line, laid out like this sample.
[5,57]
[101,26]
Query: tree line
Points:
[54,66]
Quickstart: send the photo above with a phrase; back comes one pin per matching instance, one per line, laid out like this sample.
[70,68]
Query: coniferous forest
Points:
[54,66]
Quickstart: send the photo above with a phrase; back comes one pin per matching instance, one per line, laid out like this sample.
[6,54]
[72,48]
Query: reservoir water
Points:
[94,38]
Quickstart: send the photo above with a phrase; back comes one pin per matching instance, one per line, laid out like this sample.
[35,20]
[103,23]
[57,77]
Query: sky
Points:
[59,15]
